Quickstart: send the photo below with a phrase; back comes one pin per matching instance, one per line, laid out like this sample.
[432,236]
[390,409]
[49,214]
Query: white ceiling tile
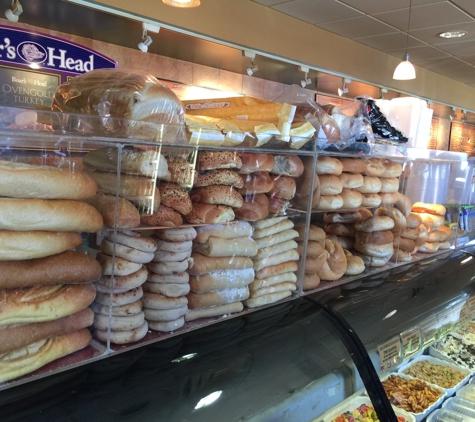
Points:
[377,6]
[467,5]
[389,41]
[429,35]
[317,11]
[469,59]
[462,48]
[364,26]
[270,2]
[418,54]
[425,16]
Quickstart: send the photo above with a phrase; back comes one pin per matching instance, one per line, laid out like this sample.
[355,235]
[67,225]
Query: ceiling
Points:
[382,25]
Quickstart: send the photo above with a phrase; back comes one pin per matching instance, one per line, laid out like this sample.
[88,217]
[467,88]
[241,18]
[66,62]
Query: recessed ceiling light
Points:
[452,34]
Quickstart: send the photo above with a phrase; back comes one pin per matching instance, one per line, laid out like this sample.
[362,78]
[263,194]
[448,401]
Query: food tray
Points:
[467,392]
[421,416]
[435,361]
[440,355]
[445,415]
[460,405]
[353,403]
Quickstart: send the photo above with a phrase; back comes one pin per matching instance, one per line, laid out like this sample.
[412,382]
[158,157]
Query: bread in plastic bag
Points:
[122,104]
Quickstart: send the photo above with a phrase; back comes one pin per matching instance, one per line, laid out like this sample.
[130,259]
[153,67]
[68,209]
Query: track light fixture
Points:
[464,116]
[16,9]
[344,89]
[306,81]
[253,68]
[382,92]
[453,114]
[147,39]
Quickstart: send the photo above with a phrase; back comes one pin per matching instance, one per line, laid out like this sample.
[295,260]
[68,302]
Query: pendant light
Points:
[182,3]
[405,70]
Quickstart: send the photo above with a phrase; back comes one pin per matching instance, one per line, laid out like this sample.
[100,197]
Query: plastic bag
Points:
[119,104]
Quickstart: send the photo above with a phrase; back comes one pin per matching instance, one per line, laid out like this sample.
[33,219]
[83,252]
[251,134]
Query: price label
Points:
[463,315]
[411,341]
[429,331]
[446,321]
[390,354]
[471,307]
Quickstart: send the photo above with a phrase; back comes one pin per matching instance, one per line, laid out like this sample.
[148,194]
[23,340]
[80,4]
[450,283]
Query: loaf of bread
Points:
[164,216]
[19,336]
[225,231]
[44,303]
[219,177]
[48,214]
[132,161]
[205,264]
[220,297]
[16,246]
[219,247]
[209,214]
[68,267]
[128,216]
[217,194]
[138,105]
[18,180]
[130,186]
[29,358]
[221,279]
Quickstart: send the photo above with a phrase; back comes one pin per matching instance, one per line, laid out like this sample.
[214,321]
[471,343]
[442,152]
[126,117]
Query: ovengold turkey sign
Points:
[33,65]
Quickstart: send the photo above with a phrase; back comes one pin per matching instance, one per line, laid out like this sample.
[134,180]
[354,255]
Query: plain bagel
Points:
[413,220]
[125,252]
[392,169]
[375,223]
[389,199]
[395,215]
[145,244]
[176,235]
[351,198]
[335,263]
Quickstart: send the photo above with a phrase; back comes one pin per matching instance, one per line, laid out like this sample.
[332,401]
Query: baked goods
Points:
[212,311]
[225,231]
[176,235]
[392,169]
[258,182]
[163,216]
[123,337]
[118,266]
[400,223]
[351,181]
[272,280]
[252,162]
[353,165]
[221,279]
[219,177]
[211,160]
[355,264]
[35,355]
[374,167]
[329,202]
[329,165]
[267,299]
[68,267]
[17,246]
[310,281]
[375,223]
[18,180]
[204,264]
[134,188]
[133,240]
[121,284]
[389,185]
[370,185]
[217,194]
[180,171]
[125,252]
[278,206]
[315,233]
[335,264]
[149,163]
[284,187]
[330,185]
[254,207]
[175,197]
[413,220]
[389,199]
[288,165]
[371,200]
[403,204]
[437,209]
[340,229]
[351,198]
[209,214]
[406,245]
[344,217]
[304,185]
[216,246]
[128,216]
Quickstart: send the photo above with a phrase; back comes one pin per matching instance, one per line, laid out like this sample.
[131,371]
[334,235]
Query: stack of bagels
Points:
[305,181]
[119,290]
[433,235]
[215,194]
[137,191]
[222,269]
[349,183]
[275,262]
[46,287]
[165,303]
[315,254]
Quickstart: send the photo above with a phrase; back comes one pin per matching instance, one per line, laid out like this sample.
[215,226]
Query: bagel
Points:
[353,165]
[374,238]
[169,268]
[165,314]
[389,185]
[439,235]
[160,302]
[123,337]
[389,199]
[344,217]
[118,323]
[412,234]
[125,252]
[403,204]
[329,202]
[371,200]
[133,240]
[429,247]
[374,167]
[351,198]
[167,326]
[375,223]
[392,169]
[406,245]
[427,222]
[429,208]
[445,245]
[329,165]
[258,182]
[311,281]
[168,290]
[351,181]
[130,309]
[370,185]
[335,264]
[395,215]
[164,245]
[165,256]
[401,256]
[340,229]
[379,251]
[176,235]
[413,220]
[119,299]
[373,261]
[315,233]
[355,264]
[125,282]
[180,278]
[330,184]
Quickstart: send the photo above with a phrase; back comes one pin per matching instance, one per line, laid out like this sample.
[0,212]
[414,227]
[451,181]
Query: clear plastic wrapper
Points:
[128,105]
